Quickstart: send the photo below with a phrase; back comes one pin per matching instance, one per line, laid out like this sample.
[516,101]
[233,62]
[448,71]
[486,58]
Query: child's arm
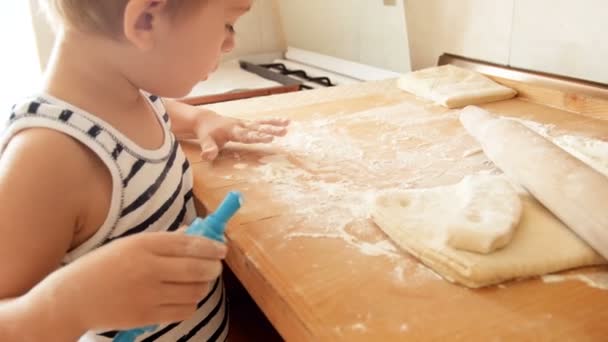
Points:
[214,131]
[166,276]
[45,180]
[25,320]
[41,180]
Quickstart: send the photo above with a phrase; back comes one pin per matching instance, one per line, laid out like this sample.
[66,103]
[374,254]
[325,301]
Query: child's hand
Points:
[145,279]
[215,131]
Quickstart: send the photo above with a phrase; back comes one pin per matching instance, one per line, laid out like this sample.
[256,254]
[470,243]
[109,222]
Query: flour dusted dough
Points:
[540,243]
[454,87]
[479,214]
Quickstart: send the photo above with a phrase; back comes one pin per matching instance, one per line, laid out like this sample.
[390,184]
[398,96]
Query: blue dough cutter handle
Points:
[211,227]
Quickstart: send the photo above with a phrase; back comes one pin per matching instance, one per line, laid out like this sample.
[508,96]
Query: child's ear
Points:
[141,18]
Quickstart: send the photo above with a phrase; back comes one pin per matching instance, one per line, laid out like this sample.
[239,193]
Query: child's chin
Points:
[174,94]
[205,76]
[181,90]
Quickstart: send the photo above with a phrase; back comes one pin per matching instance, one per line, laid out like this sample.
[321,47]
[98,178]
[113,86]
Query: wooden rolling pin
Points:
[571,190]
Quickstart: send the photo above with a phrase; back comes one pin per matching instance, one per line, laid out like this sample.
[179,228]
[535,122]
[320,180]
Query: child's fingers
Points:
[274,122]
[189,270]
[209,148]
[184,246]
[244,135]
[203,248]
[267,129]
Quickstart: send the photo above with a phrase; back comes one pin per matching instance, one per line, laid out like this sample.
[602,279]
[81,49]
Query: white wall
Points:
[259,31]
[362,31]
[563,37]
[45,36]
[19,69]
[479,29]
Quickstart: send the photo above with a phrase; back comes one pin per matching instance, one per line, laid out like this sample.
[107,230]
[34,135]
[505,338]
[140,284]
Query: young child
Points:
[94,185]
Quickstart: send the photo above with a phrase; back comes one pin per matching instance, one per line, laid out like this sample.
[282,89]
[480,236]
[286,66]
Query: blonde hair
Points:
[100,16]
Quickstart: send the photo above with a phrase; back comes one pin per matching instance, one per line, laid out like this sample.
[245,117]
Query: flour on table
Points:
[472,152]
[597,280]
[240,166]
[592,152]
[330,179]
[526,254]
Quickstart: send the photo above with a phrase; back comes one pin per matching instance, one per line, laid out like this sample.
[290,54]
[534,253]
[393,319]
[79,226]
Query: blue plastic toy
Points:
[211,227]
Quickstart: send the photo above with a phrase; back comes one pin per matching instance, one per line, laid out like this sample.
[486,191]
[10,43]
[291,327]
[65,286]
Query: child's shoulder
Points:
[54,127]
[41,152]
[31,150]
[37,126]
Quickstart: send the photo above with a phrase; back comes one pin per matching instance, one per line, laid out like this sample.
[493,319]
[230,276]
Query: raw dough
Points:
[479,214]
[454,87]
[541,244]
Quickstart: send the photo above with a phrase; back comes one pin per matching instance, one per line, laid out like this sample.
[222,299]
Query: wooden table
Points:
[303,245]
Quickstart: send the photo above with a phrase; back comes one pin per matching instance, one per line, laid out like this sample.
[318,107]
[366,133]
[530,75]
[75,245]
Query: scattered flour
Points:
[408,273]
[593,152]
[329,178]
[360,327]
[383,247]
[597,280]
[399,273]
[240,166]
[472,152]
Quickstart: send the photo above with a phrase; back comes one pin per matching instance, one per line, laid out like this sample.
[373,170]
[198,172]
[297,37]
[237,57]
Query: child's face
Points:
[186,50]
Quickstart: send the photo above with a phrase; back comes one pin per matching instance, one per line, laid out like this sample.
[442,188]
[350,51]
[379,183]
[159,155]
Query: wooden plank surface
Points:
[569,101]
[305,250]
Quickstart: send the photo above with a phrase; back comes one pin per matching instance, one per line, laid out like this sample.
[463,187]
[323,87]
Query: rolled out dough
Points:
[479,214]
[454,87]
[539,245]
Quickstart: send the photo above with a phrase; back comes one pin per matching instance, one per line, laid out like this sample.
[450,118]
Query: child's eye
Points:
[230,28]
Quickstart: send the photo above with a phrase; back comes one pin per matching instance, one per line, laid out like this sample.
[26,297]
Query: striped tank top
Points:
[152,191]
